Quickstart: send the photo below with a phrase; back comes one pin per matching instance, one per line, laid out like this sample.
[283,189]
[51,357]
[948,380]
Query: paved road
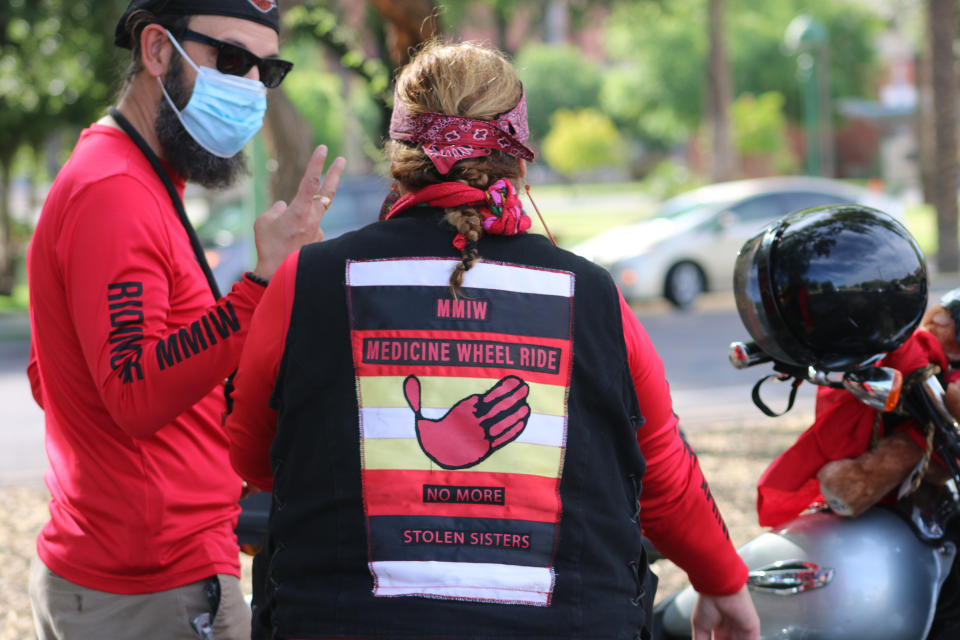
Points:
[707,391]
[22,460]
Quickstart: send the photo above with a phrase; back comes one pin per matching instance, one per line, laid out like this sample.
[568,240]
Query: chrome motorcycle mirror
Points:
[877,387]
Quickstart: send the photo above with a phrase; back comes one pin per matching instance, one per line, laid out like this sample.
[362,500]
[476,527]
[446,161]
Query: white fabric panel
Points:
[400,423]
[459,580]
[436,273]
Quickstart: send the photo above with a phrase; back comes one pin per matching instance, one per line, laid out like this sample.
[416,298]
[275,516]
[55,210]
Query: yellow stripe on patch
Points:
[444,393]
[515,457]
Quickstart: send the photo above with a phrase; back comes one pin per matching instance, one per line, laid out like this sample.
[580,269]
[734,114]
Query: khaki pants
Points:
[63,610]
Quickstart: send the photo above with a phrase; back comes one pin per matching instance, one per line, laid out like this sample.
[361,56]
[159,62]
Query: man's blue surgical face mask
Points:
[223,112]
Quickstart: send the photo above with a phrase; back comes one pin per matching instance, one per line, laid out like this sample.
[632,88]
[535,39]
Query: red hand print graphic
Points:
[475,427]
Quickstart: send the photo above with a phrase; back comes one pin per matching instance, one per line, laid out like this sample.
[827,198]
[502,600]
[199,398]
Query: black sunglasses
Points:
[237,61]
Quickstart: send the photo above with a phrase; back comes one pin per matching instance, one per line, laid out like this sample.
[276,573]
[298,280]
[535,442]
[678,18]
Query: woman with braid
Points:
[466,430]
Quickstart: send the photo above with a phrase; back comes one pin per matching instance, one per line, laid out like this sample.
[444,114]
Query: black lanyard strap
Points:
[172,192]
[763,406]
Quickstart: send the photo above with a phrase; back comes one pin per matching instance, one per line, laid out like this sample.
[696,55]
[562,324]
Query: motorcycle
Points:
[824,576]
[821,575]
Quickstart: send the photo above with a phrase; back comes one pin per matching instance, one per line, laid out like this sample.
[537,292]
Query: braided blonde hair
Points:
[464,79]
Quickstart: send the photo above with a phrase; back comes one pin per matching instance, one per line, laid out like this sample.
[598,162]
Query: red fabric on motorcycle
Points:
[842,429]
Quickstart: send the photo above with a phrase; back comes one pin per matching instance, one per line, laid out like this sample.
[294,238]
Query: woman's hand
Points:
[730,617]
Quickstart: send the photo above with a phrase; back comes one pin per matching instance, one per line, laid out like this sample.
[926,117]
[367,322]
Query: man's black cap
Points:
[263,11]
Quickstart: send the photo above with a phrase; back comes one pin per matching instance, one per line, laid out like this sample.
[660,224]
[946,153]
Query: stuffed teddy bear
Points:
[850,486]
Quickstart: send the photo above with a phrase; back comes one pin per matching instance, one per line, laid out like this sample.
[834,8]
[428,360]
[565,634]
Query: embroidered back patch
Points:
[463,418]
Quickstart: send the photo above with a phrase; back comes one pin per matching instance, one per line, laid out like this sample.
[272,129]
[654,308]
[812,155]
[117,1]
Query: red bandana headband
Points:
[446,138]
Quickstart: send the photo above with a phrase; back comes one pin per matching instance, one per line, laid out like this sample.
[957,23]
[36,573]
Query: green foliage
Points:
[322,98]
[316,93]
[321,25]
[556,77]
[755,38]
[455,13]
[669,178]
[626,98]
[503,14]
[581,140]
[921,221]
[661,49]
[17,302]
[369,116]
[759,125]
[664,45]
[58,66]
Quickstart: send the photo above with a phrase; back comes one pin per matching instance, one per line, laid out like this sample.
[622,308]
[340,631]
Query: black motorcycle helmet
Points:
[831,287]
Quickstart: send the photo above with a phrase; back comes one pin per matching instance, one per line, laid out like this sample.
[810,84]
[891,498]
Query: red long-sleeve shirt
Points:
[130,351]
[678,513]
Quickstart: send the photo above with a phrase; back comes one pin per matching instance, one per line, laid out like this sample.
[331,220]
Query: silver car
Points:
[690,245]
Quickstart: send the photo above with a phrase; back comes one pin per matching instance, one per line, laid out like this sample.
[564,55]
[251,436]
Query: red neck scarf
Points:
[499,206]
[842,429]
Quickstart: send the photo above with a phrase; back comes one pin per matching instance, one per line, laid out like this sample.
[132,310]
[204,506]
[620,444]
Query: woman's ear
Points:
[155,50]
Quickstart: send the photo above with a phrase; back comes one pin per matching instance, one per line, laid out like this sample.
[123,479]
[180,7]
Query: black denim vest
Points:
[324,530]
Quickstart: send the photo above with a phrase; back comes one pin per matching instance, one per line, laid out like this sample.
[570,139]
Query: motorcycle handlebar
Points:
[747,354]
[925,402]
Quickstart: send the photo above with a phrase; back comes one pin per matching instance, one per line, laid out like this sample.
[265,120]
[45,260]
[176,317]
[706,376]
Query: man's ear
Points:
[155,50]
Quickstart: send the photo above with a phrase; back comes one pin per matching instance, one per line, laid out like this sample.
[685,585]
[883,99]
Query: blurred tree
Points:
[923,120]
[397,29]
[759,125]
[719,80]
[581,140]
[409,22]
[312,22]
[942,25]
[455,13]
[666,45]
[321,96]
[556,77]
[554,21]
[628,96]
[58,69]
[759,129]
[284,127]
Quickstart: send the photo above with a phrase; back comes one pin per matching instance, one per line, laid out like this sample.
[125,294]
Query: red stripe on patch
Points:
[467,495]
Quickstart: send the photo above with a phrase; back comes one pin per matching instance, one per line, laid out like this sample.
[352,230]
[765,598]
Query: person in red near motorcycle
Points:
[463,426]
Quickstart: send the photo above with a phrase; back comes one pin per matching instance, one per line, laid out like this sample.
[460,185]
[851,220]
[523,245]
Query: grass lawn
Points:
[922,223]
[15,302]
[576,212]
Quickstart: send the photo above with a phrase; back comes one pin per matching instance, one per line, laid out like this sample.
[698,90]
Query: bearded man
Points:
[131,340]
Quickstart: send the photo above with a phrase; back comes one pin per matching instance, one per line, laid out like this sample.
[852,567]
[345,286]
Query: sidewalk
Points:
[940,283]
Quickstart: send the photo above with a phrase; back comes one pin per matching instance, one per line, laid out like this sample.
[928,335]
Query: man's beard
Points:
[180,150]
